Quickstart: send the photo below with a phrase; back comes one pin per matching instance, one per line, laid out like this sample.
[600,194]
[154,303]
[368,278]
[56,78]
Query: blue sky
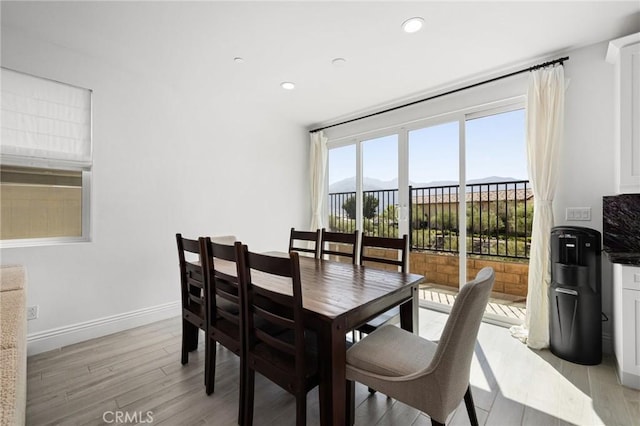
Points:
[495,147]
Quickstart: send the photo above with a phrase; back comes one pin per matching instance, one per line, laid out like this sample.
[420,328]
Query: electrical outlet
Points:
[578,213]
[32,312]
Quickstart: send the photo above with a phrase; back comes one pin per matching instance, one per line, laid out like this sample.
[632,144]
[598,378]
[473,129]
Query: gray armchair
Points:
[432,377]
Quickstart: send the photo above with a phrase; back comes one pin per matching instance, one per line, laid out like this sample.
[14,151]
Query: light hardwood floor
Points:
[138,371]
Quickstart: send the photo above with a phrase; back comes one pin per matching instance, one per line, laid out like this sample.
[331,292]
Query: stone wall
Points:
[511,277]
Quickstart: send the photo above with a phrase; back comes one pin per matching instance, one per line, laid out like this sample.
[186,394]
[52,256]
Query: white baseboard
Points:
[629,380]
[62,336]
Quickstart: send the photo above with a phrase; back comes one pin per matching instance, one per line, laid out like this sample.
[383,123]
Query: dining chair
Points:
[223,308]
[289,357]
[339,244]
[432,377]
[192,294]
[388,253]
[298,240]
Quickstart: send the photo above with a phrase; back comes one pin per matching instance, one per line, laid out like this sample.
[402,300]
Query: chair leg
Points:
[184,359]
[372,391]
[210,365]
[242,385]
[249,389]
[301,409]
[193,339]
[350,408]
[436,423]
[471,408]
[189,336]
[188,330]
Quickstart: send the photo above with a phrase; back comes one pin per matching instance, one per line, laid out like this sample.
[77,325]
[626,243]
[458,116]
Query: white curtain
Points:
[544,130]
[318,178]
[44,119]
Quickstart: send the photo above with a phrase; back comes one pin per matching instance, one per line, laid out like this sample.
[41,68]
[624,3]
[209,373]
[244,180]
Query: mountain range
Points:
[371,184]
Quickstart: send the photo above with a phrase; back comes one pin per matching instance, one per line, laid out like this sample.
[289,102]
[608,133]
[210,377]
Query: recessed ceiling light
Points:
[412,25]
[339,62]
[287,85]
[238,59]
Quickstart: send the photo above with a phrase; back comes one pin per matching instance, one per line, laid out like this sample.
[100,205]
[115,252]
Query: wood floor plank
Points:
[634,411]
[400,414]
[190,375]
[505,411]
[95,414]
[460,417]
[371,410]
[609,404]
[37,392]
[422,420]
[189,386]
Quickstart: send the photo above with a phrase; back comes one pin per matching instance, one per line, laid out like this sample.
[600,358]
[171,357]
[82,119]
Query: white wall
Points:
[587,158]
[165,161]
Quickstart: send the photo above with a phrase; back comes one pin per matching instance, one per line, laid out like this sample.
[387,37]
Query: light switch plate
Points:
[578,213]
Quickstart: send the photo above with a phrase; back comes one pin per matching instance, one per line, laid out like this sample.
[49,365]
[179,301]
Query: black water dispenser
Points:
[575,298]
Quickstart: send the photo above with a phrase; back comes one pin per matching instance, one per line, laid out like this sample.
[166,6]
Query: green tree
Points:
[390,213]
[369,210]
[419,217]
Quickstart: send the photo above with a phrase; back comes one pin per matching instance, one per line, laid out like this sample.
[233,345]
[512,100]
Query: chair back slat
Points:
[333,242]
[305,242]
[279,320]
[275,343]
[374,250]
[188,245]
[229,318]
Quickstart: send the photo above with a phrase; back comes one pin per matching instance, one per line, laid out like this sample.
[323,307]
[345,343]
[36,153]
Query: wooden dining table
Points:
[339,297]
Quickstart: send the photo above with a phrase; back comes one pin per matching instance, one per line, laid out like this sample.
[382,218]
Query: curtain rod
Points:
[491,80]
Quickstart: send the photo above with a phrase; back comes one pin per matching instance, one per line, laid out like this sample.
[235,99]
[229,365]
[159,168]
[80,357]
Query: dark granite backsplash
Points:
[621,223]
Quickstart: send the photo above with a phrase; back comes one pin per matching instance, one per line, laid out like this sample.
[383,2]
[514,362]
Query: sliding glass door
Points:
[457,185]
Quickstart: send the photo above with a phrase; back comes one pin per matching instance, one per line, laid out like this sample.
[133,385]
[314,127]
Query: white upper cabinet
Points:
[624,53]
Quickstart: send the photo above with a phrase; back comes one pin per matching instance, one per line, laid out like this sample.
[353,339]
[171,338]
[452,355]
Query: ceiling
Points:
[191,46]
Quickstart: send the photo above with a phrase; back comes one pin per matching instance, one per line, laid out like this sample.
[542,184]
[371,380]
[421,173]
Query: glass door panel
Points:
[499,206]
[342,188]
[433,178]
[380,200]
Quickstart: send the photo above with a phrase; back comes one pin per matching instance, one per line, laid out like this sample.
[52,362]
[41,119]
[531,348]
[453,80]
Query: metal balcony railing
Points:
[498,215]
